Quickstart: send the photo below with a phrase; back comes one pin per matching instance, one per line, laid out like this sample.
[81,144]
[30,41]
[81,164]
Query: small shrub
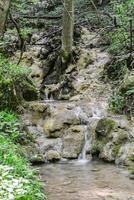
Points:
[123,101]
[15,84]
[17,180]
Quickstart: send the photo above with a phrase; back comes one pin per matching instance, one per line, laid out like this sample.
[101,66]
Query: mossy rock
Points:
[97,147]
[104,127]
[115,150]
[122,137]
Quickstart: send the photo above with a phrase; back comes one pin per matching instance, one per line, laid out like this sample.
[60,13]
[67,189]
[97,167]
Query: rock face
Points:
[113,142]
[73,141]
[59,127]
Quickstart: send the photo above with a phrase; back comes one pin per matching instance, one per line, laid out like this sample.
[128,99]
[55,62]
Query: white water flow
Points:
[47,99]
[97,113]
[87,140]
[87,144]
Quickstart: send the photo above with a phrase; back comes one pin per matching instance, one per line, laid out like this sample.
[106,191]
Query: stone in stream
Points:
[52,156]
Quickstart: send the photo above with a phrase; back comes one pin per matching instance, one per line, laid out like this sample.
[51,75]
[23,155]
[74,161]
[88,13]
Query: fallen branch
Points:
[41,17]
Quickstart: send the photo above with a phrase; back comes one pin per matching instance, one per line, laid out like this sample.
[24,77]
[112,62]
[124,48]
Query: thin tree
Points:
[68,29]
[4,7]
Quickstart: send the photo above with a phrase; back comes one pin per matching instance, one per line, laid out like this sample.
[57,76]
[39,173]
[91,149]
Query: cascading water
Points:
[87,144]
[47,99]
[87,140]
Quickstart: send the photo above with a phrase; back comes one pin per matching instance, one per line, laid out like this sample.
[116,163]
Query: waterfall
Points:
[87,144]
[46,95]
[47,99]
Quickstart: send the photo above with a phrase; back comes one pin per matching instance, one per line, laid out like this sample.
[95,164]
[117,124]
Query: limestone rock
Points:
[73,141]
[106,154]
[45,144]
[52,128]
[37,159]
[53,155]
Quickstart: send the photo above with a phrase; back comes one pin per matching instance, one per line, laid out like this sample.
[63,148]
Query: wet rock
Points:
[126,155]
[52,156]
[108,140]
[106,153]
[73,141]
[37,159]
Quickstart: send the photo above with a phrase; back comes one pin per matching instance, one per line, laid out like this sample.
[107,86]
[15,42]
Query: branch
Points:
[42,17]
[21,39]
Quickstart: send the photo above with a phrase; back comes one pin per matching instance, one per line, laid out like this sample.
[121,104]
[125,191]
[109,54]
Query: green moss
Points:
[115,150]
[15,85]
[122,137]
[104,127]
[97,147]
[122,101]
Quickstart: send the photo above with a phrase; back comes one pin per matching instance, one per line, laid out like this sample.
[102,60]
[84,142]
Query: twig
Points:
[41,17]
[21,39]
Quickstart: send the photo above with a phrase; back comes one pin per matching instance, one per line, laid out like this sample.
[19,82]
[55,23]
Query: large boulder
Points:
[55,125]
[73,141]
[45,144]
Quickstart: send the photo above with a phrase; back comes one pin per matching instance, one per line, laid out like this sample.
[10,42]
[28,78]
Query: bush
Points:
[120,36]
[123,101]
[15,85]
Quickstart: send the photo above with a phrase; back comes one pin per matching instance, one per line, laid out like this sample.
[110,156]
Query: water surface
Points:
[86,181]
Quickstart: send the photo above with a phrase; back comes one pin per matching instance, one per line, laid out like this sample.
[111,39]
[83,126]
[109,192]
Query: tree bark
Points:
[68,29]
[4,7]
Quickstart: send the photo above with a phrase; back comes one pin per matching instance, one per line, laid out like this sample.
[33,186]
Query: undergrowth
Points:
[15,84]
[17,180]
[122,101]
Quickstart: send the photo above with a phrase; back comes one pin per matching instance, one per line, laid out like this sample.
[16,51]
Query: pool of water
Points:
[86,181]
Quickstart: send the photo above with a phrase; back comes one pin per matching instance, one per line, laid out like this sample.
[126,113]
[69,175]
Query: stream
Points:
[94,180]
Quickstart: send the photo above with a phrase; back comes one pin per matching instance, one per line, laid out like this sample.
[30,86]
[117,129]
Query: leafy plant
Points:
[17,180]
[123,101]
[15,84]
[120,36]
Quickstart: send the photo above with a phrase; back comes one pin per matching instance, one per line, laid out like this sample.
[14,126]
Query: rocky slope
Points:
[79,107]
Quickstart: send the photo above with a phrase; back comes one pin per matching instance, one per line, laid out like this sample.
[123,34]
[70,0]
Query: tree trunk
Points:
[4,7]
[68,28]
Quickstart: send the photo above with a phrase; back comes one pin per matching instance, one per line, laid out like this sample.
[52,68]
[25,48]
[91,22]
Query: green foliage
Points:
[120,36]
[17,180]
[10,128]
[122,100]
[14,84]
[116,71]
